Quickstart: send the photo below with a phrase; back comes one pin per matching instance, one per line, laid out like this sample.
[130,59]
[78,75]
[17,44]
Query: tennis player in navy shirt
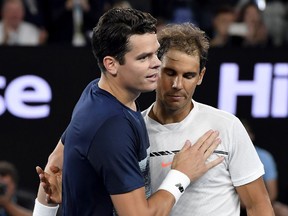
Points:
[105,165]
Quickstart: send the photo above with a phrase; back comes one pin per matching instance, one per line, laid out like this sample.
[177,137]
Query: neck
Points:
[123,95]
[168,116]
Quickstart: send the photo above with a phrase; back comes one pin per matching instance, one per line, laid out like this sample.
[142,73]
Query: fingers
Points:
[211,140]
[186,146]
[46,186]
[214,163]
[206,144]
[39,170]
[44,182]
[202,139]
[55,169]
[210,149]
[41,173]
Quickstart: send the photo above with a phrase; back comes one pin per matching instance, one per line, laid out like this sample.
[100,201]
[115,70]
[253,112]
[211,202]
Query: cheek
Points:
[190,88]
[131,73]
[165,83]
[161,87]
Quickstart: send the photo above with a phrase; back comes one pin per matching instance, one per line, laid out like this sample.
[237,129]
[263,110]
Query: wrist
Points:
[43,210]
[175,183]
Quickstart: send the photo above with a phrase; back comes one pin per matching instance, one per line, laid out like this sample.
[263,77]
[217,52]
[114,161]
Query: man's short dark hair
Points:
[111,35]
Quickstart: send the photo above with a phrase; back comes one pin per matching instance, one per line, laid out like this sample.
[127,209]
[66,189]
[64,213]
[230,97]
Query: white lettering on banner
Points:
[2,102]
[279,107]
[23,96]
[269,89]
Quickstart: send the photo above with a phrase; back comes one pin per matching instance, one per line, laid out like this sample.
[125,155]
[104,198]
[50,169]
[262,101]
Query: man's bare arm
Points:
[255,198]
[191,161]
[272,188]
[47,194]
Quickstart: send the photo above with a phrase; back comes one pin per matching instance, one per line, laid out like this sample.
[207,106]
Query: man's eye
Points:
[170,73]
[189,76]
[144,57]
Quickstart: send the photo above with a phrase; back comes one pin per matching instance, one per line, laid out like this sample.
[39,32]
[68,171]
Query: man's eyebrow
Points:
[190,72]
[185,73]
[144,55]
[141,55]
[168,68]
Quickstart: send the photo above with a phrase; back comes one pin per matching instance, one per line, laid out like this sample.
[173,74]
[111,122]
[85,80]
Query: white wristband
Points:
[43,210]
[175,182]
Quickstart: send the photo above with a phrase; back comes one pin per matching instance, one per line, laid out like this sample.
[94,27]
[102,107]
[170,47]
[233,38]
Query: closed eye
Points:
[170,72]
[190,75]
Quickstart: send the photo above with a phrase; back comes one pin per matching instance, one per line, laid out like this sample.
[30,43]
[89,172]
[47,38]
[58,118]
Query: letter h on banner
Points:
[264,95]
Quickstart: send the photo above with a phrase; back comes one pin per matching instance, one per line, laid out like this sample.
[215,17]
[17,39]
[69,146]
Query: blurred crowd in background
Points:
[256,23]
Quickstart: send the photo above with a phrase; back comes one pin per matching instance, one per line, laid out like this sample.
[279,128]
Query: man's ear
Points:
[201,76]
[111,65]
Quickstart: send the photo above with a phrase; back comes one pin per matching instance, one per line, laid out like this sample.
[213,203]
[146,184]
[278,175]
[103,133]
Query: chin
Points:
[149,88]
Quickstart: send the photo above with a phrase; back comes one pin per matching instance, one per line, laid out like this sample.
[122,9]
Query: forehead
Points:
[145,43]
[180,61]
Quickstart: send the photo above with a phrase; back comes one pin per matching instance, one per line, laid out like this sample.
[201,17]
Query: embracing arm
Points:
[50,188]
[53,166]
[135,203]
[255,198]
[189,163]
